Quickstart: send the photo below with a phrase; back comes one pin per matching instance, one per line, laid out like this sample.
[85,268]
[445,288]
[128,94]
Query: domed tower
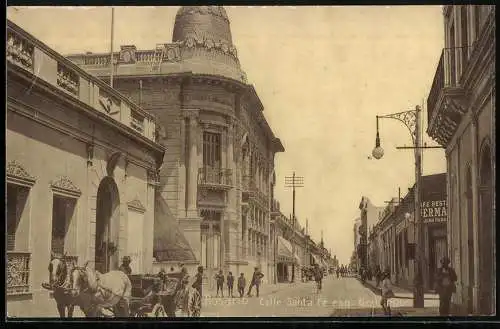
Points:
[207,45]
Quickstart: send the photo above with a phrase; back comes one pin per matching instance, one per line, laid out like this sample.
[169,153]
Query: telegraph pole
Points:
[293,182]
[112,37]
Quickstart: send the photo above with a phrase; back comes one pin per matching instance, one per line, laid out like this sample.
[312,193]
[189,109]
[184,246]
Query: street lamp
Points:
[411,119]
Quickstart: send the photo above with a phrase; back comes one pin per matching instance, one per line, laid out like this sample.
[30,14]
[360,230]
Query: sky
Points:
[322,74]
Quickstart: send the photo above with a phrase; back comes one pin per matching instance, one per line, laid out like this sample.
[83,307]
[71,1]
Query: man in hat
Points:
[198,283]
[256,279]
[445,285]
[125,266]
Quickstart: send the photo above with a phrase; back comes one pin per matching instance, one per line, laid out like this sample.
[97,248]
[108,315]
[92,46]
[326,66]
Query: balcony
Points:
[447,101]
[217,178]
[18,273]
[275,206]
[28,60]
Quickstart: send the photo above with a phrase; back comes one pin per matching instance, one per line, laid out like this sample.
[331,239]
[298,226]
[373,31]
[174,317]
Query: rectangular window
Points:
[477,17]
[62,213]
[212,153]
[17,224]
[465,37]
[451,55]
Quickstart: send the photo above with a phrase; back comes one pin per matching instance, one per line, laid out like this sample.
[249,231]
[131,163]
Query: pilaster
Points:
[192,167]
[475,212]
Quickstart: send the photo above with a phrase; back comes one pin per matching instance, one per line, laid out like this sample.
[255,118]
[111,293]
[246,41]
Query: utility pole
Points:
[112,37]
[293,182]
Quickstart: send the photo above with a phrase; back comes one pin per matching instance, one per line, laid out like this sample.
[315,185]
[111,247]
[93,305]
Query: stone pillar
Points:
[190,223]
[475,215]
[192,167]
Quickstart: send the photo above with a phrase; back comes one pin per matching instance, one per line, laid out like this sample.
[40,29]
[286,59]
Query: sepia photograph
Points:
[250,161]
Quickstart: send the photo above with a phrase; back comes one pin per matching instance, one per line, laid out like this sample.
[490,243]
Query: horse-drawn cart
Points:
[155,296]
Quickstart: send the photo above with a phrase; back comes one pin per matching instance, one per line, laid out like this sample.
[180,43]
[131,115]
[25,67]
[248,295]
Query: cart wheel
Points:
[159,311]
[141,314]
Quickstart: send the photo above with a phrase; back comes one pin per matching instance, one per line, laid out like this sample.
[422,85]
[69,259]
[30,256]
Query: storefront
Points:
[285,260]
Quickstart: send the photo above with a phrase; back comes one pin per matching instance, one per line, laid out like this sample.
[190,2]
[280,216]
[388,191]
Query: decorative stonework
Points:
[203,10]
[136,205]
[19,51]
[67,79]
[17,174]
[65,186]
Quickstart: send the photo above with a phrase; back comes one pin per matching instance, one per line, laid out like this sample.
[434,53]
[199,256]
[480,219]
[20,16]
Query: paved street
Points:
[299,299]
[339,297]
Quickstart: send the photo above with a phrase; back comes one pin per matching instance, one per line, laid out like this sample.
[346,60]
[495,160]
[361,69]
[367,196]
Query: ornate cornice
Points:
[17,174]
[136,205]
[66,187]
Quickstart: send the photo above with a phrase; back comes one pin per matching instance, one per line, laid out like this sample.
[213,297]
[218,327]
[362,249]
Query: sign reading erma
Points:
[434,211]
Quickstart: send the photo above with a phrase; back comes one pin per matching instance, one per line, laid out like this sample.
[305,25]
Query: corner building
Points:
[216,181]
[80,173]
[461,113]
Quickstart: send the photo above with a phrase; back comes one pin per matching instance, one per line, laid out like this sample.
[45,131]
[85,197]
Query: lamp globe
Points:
[378,152]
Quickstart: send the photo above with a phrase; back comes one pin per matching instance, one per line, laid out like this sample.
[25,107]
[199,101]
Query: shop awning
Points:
[169,242]
[316,259]
[284,253]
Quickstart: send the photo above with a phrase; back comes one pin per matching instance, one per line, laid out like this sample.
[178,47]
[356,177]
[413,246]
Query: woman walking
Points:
[387,292]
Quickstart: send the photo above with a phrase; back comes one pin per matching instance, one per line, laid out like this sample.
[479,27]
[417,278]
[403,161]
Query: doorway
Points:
[486,234]
[107,221]
[211,241]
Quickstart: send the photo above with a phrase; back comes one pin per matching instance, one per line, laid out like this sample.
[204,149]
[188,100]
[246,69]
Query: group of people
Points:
[255,282]
[342,271]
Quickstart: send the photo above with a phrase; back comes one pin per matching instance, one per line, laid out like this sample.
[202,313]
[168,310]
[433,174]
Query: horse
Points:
[96,292]
[59,283]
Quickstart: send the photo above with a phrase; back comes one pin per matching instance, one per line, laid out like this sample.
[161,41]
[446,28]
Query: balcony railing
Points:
[248,184]
[275,206]
[215,176]
[18,272]
[447,75]
[30,54]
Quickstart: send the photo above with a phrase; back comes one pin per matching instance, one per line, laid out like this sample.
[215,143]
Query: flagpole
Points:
[112,37]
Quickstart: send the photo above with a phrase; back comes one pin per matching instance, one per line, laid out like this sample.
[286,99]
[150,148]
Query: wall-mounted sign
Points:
[434,211]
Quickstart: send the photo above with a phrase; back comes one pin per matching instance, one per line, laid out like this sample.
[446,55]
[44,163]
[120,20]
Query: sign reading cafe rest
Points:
[434,211]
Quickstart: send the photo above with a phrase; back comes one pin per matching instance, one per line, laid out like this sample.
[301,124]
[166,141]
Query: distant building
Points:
[216,184]
[369,215]
[81,173]
[461,114]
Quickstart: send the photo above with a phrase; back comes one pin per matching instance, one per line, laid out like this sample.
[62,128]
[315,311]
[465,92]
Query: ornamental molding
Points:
[197,40]
[204,10]
[17,174]
[136,205]
[66,187]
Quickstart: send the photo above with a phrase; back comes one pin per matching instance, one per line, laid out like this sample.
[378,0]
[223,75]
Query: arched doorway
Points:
[107,229]
[486,232]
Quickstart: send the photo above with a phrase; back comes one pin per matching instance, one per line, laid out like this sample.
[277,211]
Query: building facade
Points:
[369,215]
[461,114]
[392,240]
[81,173]
[216,183]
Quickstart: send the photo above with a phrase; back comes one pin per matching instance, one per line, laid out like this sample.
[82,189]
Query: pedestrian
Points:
[242,282]
[445,285]
[337,271]
[386,292]
[378,276]
[219,280]
[230,283]
[198,281]
[125,266]
[256,279]
[318,277]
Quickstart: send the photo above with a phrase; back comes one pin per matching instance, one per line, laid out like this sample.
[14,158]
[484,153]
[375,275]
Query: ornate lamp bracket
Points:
[408,118]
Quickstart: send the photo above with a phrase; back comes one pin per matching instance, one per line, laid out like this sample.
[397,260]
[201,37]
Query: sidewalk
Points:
[400,292]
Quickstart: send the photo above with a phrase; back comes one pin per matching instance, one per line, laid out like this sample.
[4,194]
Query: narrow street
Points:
[299,299]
